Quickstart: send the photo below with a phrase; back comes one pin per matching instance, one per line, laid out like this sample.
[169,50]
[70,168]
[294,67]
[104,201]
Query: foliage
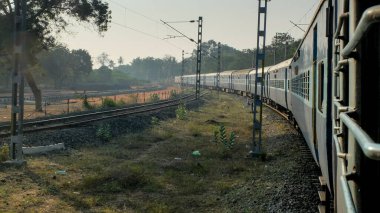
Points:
[221,137]
[108,102]
[121,102]
[104,132]
[154,98]
[86,104]
[134,98]
[181,112]
[155,121]
[4,153]
[173,94]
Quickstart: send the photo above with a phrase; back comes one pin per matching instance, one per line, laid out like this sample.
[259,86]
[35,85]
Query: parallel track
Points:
[74,120]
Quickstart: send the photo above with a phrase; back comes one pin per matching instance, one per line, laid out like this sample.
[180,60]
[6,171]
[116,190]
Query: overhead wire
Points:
[137,30]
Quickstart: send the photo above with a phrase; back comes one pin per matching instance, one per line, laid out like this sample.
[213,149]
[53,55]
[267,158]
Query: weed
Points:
[173,94]
[87,104]
[181,112]
[121,102]
[104,132]
[108,102]
[155,121]
[4,153]
[154,98]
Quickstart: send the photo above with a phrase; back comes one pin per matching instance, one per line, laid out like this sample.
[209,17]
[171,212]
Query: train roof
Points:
[228,72]
[280,65]
[265,70]
[244,71]
[209,74]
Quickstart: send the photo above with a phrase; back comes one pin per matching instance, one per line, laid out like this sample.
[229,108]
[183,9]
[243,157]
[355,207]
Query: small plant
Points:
[104,132]
[155,121]
[173,94]
[4,153]
[154,97]
[221,137]
[181,112]
[108,102]
[121,102]
[86,104]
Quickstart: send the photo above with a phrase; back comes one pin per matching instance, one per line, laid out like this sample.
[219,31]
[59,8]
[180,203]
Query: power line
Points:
[166,23]
[145,33]
[134,11]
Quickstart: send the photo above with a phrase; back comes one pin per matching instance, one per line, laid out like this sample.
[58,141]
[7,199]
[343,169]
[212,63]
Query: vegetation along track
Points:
[88,117]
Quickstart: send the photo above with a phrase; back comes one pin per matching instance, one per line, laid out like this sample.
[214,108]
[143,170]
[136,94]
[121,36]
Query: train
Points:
[330,90]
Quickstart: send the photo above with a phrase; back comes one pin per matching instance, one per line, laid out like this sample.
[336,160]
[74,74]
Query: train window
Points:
[275,76]
[296,70]
[321,77]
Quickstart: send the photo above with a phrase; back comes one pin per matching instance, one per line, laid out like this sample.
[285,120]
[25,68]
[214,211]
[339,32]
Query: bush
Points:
[154,97]
[181,112]
[155,121]
[86,104]
[104,132]
[121,102]
[108,102]
[173,94]
[4,153]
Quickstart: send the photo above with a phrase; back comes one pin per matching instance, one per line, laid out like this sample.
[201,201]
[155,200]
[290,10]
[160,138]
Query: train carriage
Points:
[240,80]
[278,83]
[226,80]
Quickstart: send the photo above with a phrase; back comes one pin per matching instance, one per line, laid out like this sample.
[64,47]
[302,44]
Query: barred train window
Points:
[277,84]
[300,85]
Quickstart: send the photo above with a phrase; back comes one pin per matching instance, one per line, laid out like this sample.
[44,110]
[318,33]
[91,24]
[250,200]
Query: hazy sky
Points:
[232,22]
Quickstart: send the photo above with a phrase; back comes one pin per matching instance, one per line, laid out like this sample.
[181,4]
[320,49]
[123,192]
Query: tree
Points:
[103,59]
[112,64]
[120,61]
[44,19]
[58,65]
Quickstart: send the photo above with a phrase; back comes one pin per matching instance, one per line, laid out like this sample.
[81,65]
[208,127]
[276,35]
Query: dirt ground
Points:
[165,164]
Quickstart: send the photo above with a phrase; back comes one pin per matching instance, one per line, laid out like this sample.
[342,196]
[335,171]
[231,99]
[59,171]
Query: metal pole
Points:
[219,67]
[199,58]
[17,109]
[183,67]
[258,99]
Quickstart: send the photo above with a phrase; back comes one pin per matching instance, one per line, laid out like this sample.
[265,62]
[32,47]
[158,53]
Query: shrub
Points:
[181,112]
[173,94]
[104,132]
[108,102]
[86,104]
[4,153]
[154,97]
[155,121]
[121,102]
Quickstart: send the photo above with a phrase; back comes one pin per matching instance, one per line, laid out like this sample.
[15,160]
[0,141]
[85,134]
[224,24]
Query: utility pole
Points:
[219,67]
[183,67]
[258,97]
[199,58]
[286,50]
[17,109]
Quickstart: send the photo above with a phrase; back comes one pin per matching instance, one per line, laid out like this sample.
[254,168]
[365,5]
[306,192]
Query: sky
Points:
[231,22]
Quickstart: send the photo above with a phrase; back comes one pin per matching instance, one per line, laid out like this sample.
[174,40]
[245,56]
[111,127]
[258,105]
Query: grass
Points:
[152,171]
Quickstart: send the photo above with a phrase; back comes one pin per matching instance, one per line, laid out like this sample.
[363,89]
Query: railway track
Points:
[89,117]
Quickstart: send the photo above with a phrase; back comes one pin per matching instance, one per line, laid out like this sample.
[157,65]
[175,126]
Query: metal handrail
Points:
[340,24]
[349,203]
[369,147]
[370,16]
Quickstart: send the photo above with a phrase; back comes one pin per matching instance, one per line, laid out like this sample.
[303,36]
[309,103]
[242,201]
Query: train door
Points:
[286,84]
[314,90]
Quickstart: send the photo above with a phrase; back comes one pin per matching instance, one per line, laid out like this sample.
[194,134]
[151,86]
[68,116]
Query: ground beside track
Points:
[150,168]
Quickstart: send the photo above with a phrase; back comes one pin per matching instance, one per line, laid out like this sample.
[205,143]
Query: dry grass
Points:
[153,171]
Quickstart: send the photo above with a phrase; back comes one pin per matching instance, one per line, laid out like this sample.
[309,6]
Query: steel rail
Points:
[103,115]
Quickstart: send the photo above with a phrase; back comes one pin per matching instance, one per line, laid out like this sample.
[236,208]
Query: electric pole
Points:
[183,67]
[258,97]
[17,109]
[219,67]
[199,58]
